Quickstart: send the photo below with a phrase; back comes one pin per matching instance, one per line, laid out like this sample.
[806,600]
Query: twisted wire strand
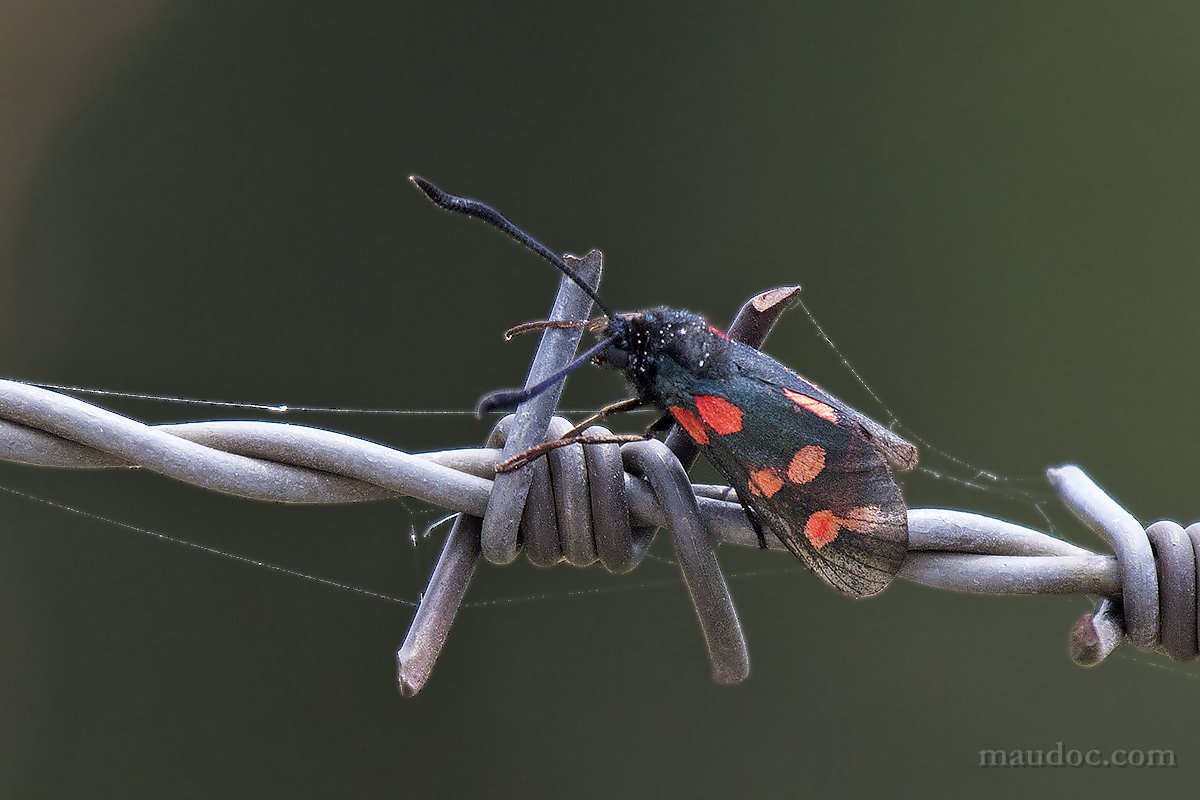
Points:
[288,463]
[602,505]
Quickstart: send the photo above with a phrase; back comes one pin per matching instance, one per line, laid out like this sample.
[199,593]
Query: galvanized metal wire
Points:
[602,504]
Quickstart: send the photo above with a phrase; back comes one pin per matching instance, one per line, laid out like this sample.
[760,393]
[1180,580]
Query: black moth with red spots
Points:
[807,467]
[803,462]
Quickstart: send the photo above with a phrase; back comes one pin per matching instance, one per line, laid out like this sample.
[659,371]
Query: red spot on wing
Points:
[719,414]
[690,423]
[821,528]
[806,464]
[765,482]
[717,331]
[822,410]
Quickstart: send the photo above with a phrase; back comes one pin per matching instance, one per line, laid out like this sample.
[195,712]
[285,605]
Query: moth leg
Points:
[751,515]
[619,407]
[537,451]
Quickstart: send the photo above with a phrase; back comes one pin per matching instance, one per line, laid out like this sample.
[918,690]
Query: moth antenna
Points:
[544,325]
[595,324]
[480,210]
[505,400]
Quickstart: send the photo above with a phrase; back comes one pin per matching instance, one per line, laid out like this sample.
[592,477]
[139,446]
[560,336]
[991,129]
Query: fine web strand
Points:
[658,583]
[1171,666]
[497,602]
[979,475]
[276,408]
[208,549]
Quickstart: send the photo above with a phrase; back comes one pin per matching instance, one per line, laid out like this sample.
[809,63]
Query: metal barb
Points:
[533,416]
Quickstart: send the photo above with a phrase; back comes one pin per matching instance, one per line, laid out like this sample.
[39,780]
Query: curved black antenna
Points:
[474,208]
[509,398]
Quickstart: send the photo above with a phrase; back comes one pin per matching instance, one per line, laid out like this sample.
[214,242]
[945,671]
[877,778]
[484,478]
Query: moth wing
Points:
[849,526]
[814,476]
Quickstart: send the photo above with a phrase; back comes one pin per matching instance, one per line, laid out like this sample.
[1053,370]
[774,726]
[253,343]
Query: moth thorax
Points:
[663,342]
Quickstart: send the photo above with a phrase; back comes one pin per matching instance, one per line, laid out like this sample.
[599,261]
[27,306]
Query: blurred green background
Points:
[992,210]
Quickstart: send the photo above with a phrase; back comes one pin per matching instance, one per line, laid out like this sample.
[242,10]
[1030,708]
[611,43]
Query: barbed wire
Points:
[602,505]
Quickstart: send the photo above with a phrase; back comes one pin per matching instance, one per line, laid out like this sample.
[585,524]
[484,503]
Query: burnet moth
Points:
[809,468]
